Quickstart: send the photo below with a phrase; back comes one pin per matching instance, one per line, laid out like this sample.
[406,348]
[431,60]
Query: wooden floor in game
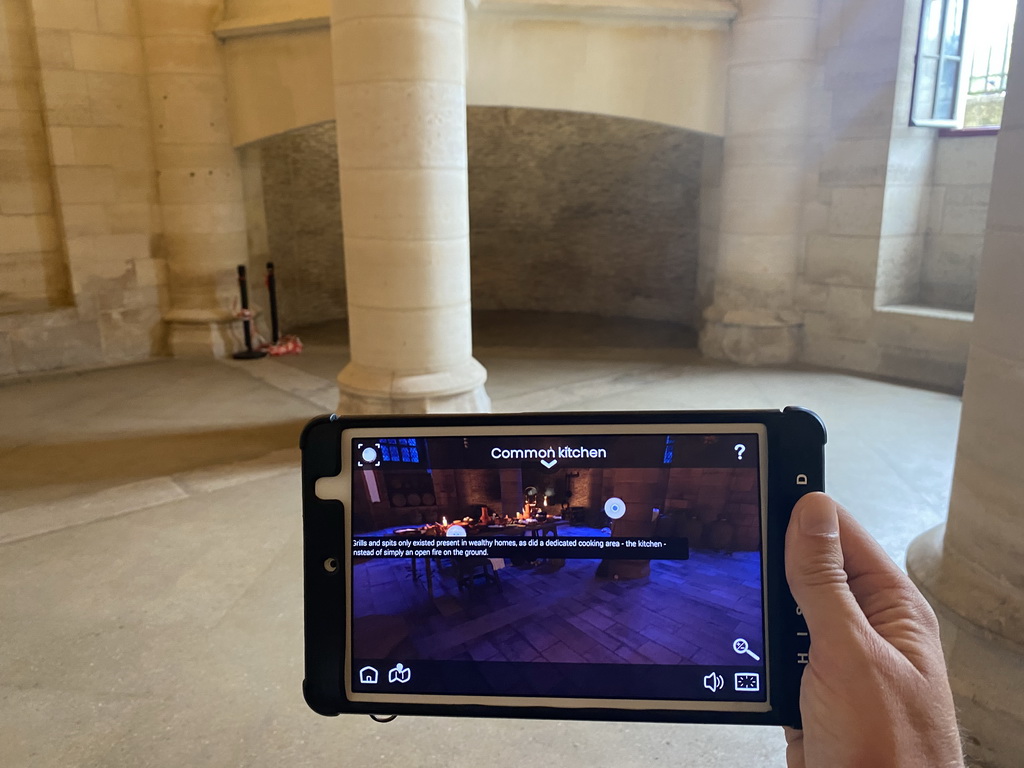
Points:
[687,611]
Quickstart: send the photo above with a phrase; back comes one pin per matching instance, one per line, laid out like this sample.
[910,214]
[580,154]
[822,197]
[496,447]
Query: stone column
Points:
[752,319]
[200,182]
[971,569]
[400,101]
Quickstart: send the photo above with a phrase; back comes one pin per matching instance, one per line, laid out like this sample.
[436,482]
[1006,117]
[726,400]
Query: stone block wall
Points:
[908,181]
[303,215]
[709,222]
[847,161]
[98,242]
[97,115]
[956,224]
[31,259]
[583,213]
[568,212]
[868,210]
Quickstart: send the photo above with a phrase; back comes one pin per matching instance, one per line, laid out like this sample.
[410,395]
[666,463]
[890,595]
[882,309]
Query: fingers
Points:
[893,605]
[816,570]
[864,557]
[794,748]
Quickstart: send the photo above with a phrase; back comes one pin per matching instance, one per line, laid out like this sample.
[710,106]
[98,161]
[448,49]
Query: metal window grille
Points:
[990,66]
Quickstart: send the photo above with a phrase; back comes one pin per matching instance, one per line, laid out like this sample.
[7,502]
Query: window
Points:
[400,450]
[963,55]
[990,31]
[669,449]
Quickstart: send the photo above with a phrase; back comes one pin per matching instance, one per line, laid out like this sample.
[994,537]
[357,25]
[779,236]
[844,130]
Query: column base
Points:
[201,333]
[986,669]
[365,391]
[751,337]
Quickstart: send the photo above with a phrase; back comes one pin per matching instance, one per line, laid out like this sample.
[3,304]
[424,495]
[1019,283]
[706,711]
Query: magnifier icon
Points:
[741,646]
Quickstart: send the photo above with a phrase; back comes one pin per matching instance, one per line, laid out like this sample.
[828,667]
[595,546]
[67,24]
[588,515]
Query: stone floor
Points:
[150,547]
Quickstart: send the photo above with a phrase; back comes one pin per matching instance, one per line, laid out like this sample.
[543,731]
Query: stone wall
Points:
[569,213]
[303,214]
[31,259]
[583,213]
[850,126]
[956,226]
[95,106]
[710,221]
[867,205]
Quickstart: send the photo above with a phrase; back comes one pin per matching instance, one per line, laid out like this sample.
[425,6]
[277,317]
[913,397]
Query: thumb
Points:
[815,569]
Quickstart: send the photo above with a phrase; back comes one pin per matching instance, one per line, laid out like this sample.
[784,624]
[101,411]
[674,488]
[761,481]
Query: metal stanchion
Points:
[248,353]
[272,290]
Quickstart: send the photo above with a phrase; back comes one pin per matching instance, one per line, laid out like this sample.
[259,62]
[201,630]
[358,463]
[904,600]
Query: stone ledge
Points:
[292,17]
[315,14]
[689,12]
[935,312]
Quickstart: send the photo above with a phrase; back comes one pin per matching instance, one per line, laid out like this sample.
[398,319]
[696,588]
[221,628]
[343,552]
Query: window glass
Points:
[931,27]
[952,38]
[989,36]
[954,33]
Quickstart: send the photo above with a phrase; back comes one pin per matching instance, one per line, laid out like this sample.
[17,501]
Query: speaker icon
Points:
[714,682]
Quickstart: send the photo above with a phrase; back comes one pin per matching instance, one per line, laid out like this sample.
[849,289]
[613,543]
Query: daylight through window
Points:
[963,57]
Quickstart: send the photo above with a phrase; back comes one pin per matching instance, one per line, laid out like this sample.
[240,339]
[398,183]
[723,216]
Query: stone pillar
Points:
[752,320]
[400,101]
[971,569]
[200,183]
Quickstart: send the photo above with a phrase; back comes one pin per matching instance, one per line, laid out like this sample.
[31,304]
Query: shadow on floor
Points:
[508,328]
[130,457]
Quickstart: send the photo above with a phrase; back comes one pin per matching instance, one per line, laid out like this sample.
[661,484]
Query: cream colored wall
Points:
[956,221]
[248,9]
[278,83]
[588,58]
[199,176]
[866,207]
[98,141]
[672,74]
[31,256]
[971,569]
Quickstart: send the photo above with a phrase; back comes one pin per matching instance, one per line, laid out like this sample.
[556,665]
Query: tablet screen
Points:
[616,566]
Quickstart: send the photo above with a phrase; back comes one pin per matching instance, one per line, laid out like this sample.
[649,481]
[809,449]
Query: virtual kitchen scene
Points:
[558,610]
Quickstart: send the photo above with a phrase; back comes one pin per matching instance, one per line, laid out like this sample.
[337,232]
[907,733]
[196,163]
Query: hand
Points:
[875,692]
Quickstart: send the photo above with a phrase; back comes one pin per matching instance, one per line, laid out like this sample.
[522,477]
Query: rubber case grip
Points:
[796,465]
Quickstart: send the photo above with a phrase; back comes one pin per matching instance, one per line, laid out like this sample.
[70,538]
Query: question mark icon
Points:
[740,450]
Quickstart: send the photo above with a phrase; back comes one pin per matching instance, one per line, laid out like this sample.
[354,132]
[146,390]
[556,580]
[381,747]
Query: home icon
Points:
[368,676]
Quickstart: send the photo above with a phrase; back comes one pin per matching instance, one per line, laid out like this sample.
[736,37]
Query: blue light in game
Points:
[403,450]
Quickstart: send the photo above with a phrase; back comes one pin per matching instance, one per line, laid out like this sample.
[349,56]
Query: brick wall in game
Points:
[714,508]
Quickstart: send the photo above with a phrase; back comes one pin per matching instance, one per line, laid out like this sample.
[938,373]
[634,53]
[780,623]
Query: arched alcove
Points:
[302,207]
[583,213]
[569,212]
